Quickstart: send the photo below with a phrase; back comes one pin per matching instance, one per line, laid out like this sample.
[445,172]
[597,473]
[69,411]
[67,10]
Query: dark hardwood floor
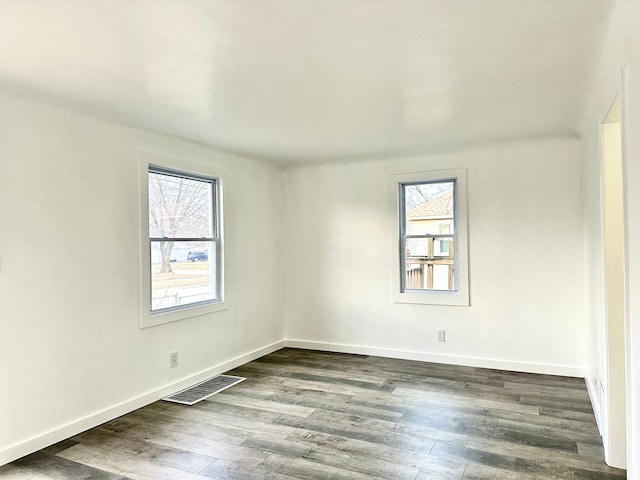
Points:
[312,415]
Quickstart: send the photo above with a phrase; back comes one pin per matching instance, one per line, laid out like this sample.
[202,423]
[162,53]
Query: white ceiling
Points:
[296,81]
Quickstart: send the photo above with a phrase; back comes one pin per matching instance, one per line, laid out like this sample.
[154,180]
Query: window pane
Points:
[182,273]
[441,277]
[429,263]
[419,247]
[424,275]
[443,247]
[427,206]
[429,210]
[180,207]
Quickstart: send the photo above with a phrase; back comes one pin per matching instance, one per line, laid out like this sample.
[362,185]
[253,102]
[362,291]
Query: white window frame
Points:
[459,296]
[147,317]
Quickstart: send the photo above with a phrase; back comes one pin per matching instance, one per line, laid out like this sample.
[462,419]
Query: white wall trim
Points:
[528,367]
[595,404]
[20,449]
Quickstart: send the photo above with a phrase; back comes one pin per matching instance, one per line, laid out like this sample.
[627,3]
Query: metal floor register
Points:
[199,392]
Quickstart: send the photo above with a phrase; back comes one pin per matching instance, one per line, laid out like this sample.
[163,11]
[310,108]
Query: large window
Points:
[182,255]
[183,239]
[431,255]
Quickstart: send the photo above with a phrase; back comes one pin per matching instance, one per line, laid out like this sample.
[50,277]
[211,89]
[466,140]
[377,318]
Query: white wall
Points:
[72,353]
[621,49]
[526,260]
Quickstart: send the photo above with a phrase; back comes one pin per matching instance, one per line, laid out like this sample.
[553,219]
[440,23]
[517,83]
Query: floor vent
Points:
[193,395]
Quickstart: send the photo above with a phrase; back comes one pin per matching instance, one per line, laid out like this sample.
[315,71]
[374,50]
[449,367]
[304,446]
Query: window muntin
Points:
[427,235]
[183,239]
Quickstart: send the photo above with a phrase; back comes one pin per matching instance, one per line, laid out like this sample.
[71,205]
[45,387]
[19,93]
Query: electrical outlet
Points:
[441,337]
[173,359]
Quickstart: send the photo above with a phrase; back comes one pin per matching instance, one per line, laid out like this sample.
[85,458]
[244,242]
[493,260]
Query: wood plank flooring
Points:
[312,415]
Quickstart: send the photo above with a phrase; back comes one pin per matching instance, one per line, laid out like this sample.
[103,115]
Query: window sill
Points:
[459,299]
[148,319]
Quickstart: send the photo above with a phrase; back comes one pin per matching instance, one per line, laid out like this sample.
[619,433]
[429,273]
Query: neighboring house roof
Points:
[441,206]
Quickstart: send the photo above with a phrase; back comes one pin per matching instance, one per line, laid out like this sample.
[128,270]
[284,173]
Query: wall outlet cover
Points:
[173,359]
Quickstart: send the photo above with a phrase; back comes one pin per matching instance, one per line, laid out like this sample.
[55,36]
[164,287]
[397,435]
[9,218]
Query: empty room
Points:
[338,239]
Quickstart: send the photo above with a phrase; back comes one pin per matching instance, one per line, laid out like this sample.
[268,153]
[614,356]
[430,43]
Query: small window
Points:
[431,228]
[183,239]
[427,235]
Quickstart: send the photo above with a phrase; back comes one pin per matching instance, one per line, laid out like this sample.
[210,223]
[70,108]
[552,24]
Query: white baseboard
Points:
[529,367]
[62,432]
[595,403]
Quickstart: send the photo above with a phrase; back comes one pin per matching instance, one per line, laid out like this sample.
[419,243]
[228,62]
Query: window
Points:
[431,250]
[182,242]
[427,213]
